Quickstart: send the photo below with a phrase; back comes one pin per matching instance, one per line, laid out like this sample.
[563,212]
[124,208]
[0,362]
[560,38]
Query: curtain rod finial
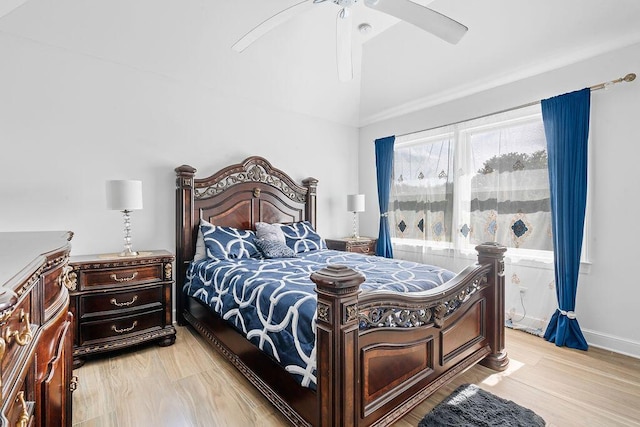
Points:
[629,77]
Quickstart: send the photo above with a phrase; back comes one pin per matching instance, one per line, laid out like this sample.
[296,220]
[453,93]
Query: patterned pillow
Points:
[274,249]
[269,232]
[301,237]
[228,242]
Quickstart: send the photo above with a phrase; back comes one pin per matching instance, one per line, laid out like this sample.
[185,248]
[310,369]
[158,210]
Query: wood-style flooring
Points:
[189,384]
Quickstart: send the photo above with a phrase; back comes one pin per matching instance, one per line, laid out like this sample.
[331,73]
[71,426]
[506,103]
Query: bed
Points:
[377,354]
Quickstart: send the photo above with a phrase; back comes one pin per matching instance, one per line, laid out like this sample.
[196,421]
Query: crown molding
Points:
[503,78]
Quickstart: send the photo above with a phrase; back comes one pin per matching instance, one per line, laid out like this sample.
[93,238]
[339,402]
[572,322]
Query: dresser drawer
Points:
[18,333]
[119,303]
[120,327]
[120,276]
[55,293]
[20,411]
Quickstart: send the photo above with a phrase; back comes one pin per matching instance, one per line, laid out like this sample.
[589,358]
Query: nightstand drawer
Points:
[118,303]
[117,328]
[361,245]
[367,247]
[120,277]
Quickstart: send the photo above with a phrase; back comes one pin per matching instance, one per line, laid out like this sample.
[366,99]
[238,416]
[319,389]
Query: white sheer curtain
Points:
[509,184]
[422,190]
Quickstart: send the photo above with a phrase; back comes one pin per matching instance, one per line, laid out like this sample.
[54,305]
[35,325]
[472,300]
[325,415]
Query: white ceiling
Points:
[398,67]
[507,40]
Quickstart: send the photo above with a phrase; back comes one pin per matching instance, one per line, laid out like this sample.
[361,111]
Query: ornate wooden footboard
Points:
[378,355]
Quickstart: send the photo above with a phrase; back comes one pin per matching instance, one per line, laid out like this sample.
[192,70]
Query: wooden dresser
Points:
[35,330]
[362,245]
[120,302]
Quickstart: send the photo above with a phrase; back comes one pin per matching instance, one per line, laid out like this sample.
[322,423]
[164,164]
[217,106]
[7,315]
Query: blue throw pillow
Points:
[274,249]
[228,242]
[301,237]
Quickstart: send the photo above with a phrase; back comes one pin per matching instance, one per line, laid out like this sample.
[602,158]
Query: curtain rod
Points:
[628,78]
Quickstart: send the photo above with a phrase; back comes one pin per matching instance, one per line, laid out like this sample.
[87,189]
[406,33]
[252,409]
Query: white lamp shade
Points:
[355,202]
[124,195]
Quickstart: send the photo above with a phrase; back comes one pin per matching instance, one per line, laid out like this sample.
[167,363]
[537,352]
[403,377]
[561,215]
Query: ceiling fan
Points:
[422,17]
[8,6]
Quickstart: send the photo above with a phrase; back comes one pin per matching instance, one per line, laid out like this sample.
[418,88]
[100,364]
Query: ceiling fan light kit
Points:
[365,28]
[422,17]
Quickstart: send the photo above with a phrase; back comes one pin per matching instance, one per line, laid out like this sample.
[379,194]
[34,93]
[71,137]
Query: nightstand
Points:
[362,245]
[120,302]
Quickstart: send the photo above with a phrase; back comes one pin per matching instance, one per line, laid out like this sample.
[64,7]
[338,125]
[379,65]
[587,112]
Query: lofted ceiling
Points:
[398,67]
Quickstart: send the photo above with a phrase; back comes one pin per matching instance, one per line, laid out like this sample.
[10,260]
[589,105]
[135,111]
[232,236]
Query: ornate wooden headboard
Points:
[237,196]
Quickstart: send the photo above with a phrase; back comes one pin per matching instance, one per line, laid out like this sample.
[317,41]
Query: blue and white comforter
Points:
[273,301]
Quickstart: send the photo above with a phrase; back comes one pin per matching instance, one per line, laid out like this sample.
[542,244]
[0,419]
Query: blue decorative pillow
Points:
[274,249]
[228,242]
[301,237]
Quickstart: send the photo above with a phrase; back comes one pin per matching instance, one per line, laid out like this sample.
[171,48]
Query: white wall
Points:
[608,291]
[70,120]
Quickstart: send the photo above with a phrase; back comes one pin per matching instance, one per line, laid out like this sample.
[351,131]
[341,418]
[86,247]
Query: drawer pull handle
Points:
[122,331]
[23,420]
[73,385]
[365,250]
[124,304]
[23,337]
[124,279]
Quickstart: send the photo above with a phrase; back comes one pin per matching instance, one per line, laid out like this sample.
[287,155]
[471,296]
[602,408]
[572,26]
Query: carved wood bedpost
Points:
[336,352]
[185,236]
[311,185]
[493,253]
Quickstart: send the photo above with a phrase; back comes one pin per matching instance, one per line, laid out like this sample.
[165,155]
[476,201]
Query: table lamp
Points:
[125,196]
[355,204]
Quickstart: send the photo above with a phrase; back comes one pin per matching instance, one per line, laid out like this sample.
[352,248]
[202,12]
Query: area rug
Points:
[471,406]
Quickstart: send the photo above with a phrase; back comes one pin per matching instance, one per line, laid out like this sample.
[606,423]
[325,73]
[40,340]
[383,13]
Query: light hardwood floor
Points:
[189,384]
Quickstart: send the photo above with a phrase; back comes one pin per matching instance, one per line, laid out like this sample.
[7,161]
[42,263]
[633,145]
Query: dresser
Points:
[35,330]
[120,302]
[362,245]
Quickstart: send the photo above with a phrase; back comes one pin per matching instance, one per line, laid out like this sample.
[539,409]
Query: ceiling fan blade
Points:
[271,23]
[8,6]
[343,45]
[422,17]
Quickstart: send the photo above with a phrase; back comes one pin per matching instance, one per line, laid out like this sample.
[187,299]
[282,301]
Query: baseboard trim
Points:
[595,339]
[612,343]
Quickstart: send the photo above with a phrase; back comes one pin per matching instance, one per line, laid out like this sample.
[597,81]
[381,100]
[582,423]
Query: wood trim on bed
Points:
[378,354]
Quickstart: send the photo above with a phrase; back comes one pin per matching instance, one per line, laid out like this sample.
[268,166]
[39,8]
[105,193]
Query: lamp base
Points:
[129,252]
[355,234]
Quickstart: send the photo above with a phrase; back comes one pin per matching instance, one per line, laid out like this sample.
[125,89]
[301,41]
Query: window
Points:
[484,180]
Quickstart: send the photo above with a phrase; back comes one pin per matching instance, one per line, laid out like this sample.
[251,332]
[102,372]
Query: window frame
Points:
[460,133]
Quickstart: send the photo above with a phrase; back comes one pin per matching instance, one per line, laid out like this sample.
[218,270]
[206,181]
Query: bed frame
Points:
[378,356]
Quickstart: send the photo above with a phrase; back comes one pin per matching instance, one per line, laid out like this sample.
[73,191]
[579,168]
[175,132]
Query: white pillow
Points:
[271,232]
[201,250]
